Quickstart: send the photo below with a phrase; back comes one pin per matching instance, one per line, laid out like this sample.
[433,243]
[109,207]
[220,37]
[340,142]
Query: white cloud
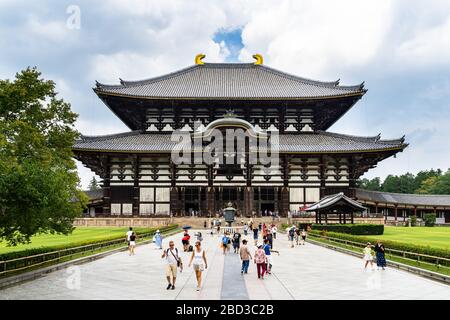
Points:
[429,46]
[317,38]
[55,30]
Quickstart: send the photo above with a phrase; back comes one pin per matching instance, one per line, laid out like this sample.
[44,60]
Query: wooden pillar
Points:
[345,217]
[136,177]
[395,213]
[248,200]
[322,177]
[106,175]
[326,218]
[340,217]
[415,211]
[210,200]
[351,217]
[284,201]
[376,208]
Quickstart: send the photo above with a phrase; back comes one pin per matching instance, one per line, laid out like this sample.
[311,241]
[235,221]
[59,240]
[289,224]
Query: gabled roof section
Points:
[312,142]
[331,201]
[229,81]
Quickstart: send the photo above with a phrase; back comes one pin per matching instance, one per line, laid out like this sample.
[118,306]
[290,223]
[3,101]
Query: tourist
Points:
[199,236]
[173,261]
[128,234]
[269,237]
[255,235]
[291,235]
[158,239]
[205,224]
[368,255]
[260,227]
[303,235]
[225,242]
[245,229]
[264,230]
[197,258]
[245,256]
[260,261]
[132,243]
[274,230]
[185,241]
[297,235]
[267,250]
[236,241]
[379,253]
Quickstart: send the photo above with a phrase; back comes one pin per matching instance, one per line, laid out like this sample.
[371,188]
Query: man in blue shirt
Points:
[268,252]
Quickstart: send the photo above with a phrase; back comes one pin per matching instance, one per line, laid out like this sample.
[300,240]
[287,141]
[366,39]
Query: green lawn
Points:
[435,237]
[80,234]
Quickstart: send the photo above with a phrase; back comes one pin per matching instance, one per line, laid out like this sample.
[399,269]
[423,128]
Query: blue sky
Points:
[401,49]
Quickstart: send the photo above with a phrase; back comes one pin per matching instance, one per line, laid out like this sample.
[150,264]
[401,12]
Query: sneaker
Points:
[169,286]
[242,272]
[173,287]
[198,288]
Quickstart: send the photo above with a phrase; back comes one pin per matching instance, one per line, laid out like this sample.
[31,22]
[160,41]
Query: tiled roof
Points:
[311,142]
[329,201]
[229,81]
[403,198]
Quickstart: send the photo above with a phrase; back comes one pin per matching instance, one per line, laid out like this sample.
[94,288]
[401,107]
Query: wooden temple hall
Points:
[139,177]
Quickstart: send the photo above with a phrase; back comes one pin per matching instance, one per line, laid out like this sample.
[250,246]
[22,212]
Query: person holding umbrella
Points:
[185,239]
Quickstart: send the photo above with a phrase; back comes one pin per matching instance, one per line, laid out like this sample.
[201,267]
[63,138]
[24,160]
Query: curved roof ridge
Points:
[333,84]
[109,136]
[353,137]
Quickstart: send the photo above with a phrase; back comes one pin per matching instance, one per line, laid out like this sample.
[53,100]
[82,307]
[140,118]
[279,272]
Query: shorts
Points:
[304,237]
[185,242]
[269,259]
[171,270]
[198,267]
[368,257]
[132,243]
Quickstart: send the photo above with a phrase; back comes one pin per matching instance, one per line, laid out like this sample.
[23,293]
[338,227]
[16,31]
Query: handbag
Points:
[176,257]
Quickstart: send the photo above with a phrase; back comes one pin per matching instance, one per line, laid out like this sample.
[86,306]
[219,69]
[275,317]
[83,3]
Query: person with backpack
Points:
[255,235]
[132,243]
[236,241]
[260,261]
[173,262]
[291,234]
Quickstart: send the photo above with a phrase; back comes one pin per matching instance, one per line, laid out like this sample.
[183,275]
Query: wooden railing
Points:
[48,258]
[439,262]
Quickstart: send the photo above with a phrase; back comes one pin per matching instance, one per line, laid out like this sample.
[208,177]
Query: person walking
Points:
[379,253]
[368,255]
[260,227]
[185,240]
[225,242]
[198,257]
[245,255]
[297,235]
[260,261]
[245,229]
[303,235]
[158,239]
[270,239]
[264,230]
[291,234]
[128,234]
[255,235]
[274,230]
[236,241]
[132,243]
[173,261]
[268,252]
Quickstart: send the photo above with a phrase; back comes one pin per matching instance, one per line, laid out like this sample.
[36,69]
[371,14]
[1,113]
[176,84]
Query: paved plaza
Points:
[303,272]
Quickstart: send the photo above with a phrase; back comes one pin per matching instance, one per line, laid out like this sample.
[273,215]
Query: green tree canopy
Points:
[38,179]
[436,184]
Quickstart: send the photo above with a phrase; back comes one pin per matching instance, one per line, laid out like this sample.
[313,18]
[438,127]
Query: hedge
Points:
[390,244]
[356,229]
[35,251]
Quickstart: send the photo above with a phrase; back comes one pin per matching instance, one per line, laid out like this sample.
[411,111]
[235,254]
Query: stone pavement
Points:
[303,272]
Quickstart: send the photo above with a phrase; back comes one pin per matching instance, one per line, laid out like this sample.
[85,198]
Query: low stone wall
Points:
[194,222]
[121,222]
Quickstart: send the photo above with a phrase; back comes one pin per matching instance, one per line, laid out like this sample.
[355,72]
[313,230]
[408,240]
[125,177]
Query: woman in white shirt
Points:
[197,258]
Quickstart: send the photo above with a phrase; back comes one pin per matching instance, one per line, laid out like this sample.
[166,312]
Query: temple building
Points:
[140,178]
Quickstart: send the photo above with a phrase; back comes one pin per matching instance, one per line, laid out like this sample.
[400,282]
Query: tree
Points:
[38,179]
[399,184]
[436,184]
[372,184]
[93,185]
